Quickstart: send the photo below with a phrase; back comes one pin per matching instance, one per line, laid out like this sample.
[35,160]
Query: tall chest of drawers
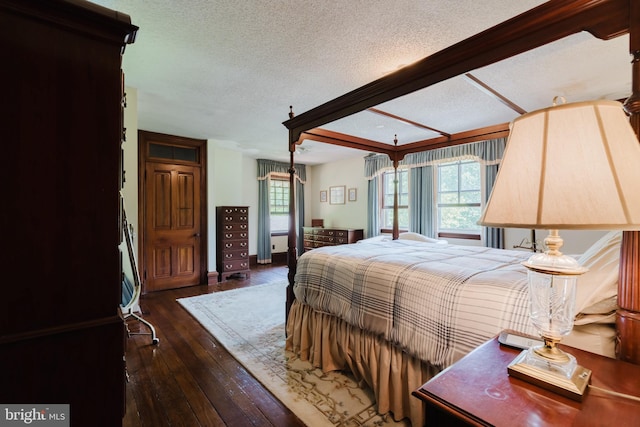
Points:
[232,241]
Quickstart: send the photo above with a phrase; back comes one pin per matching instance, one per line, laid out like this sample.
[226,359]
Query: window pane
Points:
[388,182]
[448,177]
[459,218]
[459,186]
[403,185]
[470,197]
[279,223]
[386,211]
[172,152]
[448,198]
[470,176]
[403,218]
[388,200]
[387,218]
[279,205]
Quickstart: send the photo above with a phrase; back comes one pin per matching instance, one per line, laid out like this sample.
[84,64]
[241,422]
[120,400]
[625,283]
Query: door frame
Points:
[144,139]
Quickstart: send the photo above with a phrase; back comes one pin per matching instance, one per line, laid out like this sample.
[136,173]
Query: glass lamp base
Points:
[566,378]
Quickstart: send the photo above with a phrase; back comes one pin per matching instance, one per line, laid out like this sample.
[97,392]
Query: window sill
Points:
[465,236]
[389,230]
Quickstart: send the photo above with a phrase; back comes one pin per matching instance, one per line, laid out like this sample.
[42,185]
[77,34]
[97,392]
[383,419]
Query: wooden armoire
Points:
[61,333]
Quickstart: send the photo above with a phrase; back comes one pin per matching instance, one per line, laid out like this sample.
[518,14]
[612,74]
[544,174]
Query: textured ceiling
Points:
[227,71]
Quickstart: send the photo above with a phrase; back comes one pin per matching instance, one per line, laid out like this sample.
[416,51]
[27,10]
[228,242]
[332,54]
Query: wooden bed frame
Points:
[551,21]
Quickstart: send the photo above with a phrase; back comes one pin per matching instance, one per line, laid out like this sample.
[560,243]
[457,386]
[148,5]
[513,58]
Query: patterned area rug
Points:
[249,323]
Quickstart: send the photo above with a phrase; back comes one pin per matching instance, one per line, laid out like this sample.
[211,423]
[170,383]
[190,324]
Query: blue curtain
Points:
[264,223]
[493,237]
[373,222]
[299,216]
[421,200]
[266,168]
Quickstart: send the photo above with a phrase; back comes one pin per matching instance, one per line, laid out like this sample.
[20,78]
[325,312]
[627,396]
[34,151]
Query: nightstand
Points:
[478,391]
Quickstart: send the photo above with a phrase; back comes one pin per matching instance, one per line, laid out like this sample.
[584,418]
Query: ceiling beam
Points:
[398,152]
[493,93]
[411,122]
[539,26]
[345,140]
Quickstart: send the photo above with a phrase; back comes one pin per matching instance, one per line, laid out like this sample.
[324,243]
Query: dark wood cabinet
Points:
[315,237]
[232,241]
[61,332]
[478,391]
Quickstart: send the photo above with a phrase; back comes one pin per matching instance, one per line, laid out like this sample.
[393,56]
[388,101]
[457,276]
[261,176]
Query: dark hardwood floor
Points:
[189,379]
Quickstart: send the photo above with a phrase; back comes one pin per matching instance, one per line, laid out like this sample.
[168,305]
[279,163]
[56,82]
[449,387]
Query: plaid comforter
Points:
[437,302]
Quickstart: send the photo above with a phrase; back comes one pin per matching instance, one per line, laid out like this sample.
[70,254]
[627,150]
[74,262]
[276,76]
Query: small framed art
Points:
[353,194]
[323,195]
[336,195]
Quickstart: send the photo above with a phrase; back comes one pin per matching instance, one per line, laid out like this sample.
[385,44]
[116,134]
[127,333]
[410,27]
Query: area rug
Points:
[249,323]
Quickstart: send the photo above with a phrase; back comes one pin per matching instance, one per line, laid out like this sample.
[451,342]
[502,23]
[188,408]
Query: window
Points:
[386,220]
[459,197]
[279,205]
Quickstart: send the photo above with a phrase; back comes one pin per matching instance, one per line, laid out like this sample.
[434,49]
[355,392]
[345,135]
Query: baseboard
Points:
[276,258]
[212,277]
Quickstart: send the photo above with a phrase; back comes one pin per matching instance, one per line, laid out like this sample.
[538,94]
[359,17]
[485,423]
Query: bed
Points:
[396,312]
[333,334]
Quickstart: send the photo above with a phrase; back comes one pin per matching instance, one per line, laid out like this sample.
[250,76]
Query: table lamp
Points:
[572,166]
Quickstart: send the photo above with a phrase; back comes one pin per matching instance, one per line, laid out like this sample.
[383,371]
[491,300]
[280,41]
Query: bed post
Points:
[292,257]
[395,233]
[628,315]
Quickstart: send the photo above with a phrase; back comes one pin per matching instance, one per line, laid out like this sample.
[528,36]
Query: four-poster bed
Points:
[549,22]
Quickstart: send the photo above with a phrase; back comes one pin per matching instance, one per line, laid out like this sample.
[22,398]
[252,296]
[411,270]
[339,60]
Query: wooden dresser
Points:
[232,241]
[62,335]
[315,237]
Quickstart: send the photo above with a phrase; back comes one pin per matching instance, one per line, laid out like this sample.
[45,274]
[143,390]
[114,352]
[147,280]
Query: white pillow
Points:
[380,238]
[597,288]
[409,235]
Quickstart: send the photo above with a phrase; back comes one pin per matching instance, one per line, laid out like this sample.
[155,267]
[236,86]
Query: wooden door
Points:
[172,226]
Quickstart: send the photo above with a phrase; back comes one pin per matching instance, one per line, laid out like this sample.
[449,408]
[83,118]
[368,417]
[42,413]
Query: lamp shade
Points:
[569,166]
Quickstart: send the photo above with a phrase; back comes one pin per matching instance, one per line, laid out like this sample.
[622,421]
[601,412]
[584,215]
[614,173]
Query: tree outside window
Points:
[459,197]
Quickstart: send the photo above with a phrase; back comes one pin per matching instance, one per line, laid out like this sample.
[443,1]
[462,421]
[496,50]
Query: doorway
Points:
[172,213]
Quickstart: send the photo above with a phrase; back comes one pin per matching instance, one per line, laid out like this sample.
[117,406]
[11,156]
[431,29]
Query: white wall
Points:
[231,181]
[348,173]
[575,242]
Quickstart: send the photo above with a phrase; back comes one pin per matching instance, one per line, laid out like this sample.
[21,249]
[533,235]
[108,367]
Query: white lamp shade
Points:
[570,166]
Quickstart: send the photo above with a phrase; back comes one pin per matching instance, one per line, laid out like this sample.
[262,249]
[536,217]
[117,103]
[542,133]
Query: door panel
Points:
[172,226]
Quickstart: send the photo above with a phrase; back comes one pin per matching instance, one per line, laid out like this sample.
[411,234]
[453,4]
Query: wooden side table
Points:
[478,391]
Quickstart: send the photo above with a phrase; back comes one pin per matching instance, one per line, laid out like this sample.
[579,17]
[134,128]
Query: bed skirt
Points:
[331,344]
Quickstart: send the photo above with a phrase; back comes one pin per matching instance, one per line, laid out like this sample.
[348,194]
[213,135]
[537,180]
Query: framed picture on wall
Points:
[353,193]
[323,195]
[336,195]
